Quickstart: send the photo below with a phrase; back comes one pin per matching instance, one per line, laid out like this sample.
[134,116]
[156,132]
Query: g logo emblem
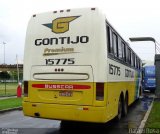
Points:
[61,25]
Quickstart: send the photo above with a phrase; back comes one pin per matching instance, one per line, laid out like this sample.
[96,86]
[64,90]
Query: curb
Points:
[143,122]
[10,109]
[7,97]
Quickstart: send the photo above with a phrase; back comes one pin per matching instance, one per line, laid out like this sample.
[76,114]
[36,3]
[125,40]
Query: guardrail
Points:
[5,67]
[11,66]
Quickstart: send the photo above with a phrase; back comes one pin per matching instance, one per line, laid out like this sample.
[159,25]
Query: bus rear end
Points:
[59,67]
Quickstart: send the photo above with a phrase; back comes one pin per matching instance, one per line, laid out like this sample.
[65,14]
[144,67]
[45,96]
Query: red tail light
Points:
[25,88]
[100,91]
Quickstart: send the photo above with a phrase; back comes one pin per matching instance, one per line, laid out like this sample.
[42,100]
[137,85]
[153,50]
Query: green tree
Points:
[4,75]
[14,75]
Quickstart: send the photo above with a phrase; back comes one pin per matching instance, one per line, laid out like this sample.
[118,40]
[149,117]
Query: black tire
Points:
[119,109]
[125,106]
[65,125]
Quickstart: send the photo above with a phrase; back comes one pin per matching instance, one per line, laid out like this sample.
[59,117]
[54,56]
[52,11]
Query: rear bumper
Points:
[153,87]
[65,112]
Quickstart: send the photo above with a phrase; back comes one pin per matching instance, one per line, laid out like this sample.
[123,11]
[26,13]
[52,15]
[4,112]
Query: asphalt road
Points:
[14,122]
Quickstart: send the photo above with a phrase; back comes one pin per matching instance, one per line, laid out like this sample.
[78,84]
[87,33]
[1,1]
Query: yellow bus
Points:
[78,68]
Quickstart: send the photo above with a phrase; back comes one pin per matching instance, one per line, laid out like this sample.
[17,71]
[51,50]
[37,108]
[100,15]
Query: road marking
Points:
[143,122]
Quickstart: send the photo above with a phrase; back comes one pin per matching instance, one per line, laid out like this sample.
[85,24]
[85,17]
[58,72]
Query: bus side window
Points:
[127,57]
[133,60]
[123,51]
[139,64]
[115,44]
[136,62]
[110,46]
[120,50]
[128,54]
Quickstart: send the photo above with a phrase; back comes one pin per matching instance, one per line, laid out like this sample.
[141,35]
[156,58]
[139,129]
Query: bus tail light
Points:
[100,91]
[25,88]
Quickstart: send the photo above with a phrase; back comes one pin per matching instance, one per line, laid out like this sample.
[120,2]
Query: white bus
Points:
[78,68]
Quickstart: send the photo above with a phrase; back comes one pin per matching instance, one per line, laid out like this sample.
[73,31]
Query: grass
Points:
[154,117]
[11,89]
[10,103]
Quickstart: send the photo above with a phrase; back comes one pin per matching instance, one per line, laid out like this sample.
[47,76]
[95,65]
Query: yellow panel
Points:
[71,108]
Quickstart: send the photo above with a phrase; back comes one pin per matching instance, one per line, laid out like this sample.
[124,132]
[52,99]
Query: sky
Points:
[131,18]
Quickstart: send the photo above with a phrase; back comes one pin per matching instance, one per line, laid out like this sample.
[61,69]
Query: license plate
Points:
[66,93]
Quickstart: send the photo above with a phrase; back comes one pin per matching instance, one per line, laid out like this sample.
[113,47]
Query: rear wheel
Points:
[125,106]
[119,109]
[66,125]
